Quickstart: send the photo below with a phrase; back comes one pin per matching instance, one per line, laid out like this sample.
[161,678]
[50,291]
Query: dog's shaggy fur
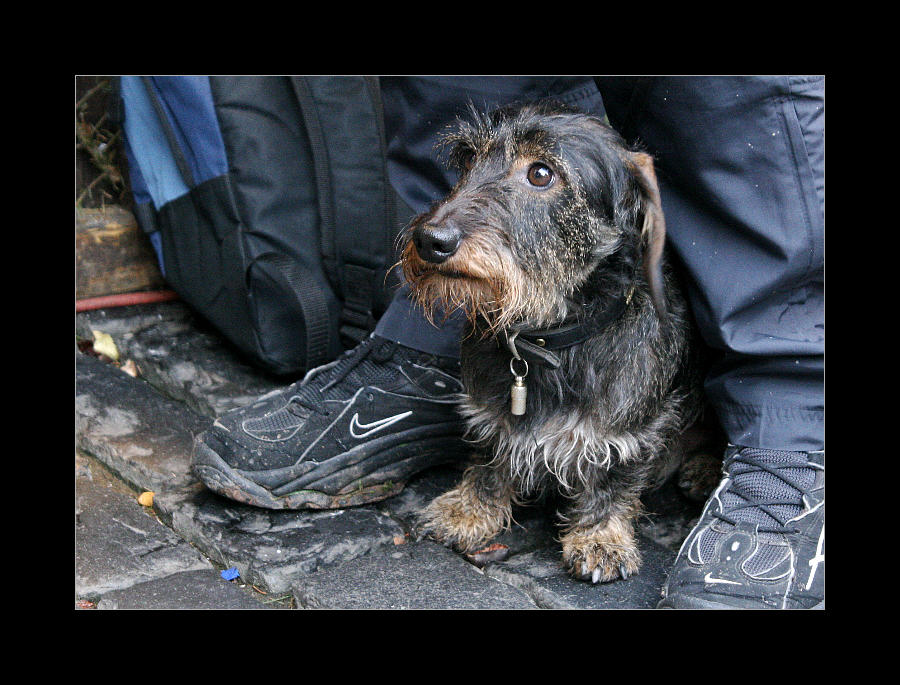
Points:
[555,219]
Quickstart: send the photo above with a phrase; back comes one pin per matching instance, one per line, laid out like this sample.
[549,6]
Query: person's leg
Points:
[355,430]
[741,170]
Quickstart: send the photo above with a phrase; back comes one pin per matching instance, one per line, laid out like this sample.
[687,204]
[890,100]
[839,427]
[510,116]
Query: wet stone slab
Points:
[118,544]
[272,548]
[412,575]
[534,552]
[204,589]
[181,355]
[140,434]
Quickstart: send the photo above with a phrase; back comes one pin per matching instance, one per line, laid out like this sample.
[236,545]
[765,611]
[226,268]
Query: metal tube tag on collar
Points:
[519,392]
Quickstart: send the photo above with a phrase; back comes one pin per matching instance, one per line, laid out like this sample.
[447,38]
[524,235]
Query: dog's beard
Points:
[442,290]
[487,286]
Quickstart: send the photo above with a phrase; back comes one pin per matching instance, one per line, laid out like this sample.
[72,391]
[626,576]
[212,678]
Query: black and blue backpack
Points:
[268,204]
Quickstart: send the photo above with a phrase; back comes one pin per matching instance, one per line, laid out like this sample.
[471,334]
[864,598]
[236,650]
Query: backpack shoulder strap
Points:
[344,121]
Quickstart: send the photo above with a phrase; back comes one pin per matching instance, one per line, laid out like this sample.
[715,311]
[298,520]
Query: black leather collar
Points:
[537,345]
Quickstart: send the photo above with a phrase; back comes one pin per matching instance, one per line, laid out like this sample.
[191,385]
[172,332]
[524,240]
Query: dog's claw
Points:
[595,576]
[623,571]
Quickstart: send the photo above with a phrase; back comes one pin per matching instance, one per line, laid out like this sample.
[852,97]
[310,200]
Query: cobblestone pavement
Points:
[134,435]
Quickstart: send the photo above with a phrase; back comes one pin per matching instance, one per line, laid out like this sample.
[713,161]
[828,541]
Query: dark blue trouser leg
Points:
[417,111]
[404,323]
[741,169]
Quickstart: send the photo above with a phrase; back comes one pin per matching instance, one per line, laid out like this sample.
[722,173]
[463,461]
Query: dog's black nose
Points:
[436,244]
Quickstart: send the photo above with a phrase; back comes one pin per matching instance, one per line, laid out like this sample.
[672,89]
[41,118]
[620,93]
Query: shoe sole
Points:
[685,602]
[376,474]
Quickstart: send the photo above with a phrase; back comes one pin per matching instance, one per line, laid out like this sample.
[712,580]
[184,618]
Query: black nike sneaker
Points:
[350,432]
[760,542]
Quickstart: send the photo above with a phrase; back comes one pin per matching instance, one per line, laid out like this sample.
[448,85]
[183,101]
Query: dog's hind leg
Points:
[701,467]
[472,513]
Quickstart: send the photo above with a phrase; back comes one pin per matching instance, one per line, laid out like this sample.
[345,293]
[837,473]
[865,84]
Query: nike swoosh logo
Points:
[709,579]
[375,426]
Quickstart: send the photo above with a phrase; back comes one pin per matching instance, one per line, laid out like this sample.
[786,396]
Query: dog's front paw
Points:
[602,553]
[460,519]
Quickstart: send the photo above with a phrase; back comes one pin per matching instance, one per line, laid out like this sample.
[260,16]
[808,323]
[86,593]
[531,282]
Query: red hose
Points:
[125,299]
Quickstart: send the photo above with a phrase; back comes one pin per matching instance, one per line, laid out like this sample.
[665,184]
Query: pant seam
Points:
[796,147]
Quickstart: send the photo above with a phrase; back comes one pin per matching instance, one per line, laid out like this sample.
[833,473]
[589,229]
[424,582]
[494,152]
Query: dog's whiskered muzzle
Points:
[436,243]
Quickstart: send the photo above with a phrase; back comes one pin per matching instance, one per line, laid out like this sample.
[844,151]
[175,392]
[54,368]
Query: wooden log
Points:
[112,254]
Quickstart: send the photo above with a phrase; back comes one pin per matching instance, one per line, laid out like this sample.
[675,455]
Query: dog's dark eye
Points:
[467,157]
[540,175]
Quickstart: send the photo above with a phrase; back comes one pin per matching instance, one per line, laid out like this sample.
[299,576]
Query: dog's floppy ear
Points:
[653,232]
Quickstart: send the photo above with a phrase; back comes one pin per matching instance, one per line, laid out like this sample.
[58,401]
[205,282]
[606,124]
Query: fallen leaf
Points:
[103,344]
[131,368]
[399,540]
[85,604]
